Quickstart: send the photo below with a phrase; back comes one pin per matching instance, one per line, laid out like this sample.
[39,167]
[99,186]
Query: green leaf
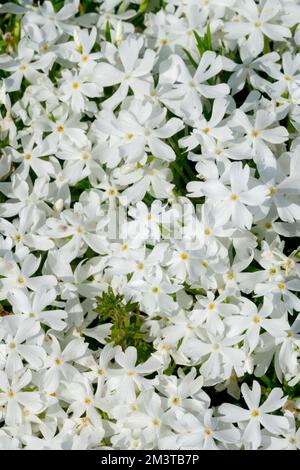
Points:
[207,38]
[203,44]
[126,322]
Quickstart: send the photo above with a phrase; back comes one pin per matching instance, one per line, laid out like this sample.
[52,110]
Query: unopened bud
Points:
[59,205]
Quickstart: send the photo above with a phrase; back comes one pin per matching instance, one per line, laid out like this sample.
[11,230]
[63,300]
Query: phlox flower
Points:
[130,71]
[234,201]
[256,414]
[15,399]
[255,23]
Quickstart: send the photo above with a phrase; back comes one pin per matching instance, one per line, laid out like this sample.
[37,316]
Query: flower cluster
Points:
[149,215]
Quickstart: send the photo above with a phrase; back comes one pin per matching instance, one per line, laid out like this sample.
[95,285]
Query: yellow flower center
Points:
[21,280]
[255,413]
[254,133]
[27,156]
[281,285]
[233,197]
[184,256]
[85,421]
[58,361]
[60,128]
[75,85]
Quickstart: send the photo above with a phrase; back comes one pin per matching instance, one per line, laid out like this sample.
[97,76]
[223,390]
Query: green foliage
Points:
[127,321]
[107,32]
[181,168]
[78,189]
[190,57]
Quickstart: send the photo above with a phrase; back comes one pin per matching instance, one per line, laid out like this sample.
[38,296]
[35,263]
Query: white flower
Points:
[15,399]
[21,341]
[131,72]
[25,66]
[13,276]
[218,355]
[251,320]
[34,306]
[204,432]
[128,376]
[258,136]
[188,89]
[204,130]
[58,366]
[289,439]
[142,127]
[76,88]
